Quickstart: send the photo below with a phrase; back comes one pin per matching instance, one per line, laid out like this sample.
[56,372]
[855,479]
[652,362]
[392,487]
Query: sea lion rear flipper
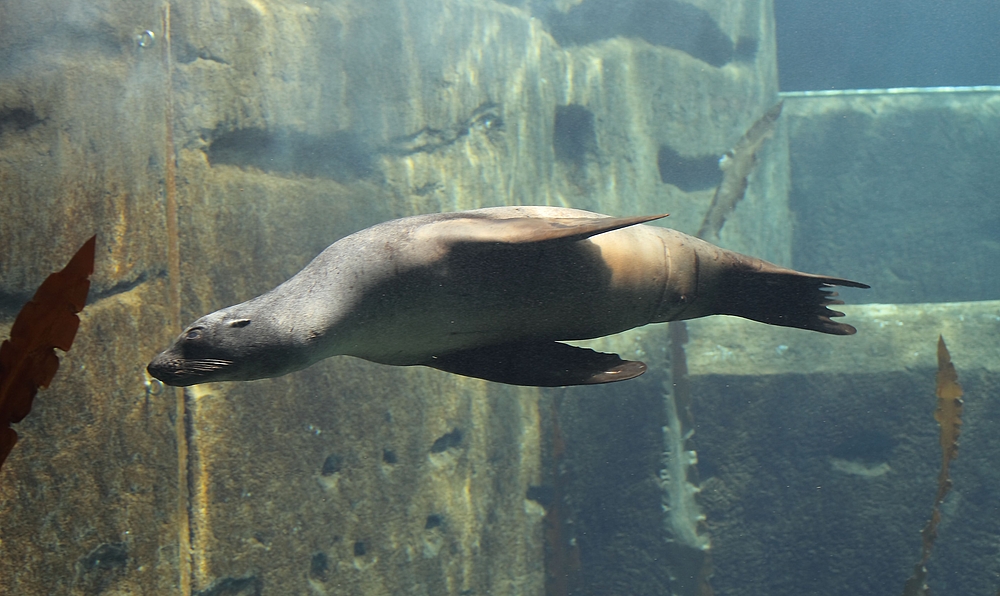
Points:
[521,230]
[786,298]
[551,364]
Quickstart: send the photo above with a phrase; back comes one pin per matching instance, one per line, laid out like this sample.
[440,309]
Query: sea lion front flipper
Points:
[522,230]
[550,364]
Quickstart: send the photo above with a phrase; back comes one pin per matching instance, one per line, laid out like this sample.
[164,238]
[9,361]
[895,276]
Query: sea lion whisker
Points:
[203,366]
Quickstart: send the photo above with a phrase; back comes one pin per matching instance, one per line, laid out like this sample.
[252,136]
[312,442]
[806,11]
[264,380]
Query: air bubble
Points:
[154,387]
[145,39]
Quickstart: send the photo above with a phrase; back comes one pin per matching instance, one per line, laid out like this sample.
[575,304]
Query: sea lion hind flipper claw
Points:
[547,364]
[786,298]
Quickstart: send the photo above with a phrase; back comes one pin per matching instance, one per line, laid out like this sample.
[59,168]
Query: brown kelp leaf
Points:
[28,359]
[949,408]
[949,416]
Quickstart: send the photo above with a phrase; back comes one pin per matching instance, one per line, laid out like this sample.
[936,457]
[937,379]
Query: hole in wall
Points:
[233,586]
[448,441]
[331,465]
[319,565]
[341,156]
[433,521]
[745,50]
[17,120]
[688,173]
[573,135]
[541,494]
[105,557]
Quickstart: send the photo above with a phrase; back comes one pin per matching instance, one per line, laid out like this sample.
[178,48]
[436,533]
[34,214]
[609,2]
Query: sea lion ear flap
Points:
[524,230]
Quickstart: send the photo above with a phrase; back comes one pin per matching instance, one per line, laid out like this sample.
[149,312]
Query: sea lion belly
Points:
[477,295]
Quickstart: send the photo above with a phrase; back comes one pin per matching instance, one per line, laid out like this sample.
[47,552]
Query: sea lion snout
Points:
[227,345]
[181,372]
[198,355]
[179,367]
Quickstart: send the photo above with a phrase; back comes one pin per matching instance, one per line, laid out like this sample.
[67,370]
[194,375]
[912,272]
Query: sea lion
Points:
[490,293]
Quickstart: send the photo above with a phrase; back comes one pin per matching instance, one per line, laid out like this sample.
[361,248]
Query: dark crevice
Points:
[485,118]
[433,521]
[17,120]
[541,494]
[746,49]
[234,586]
[448,441]
[12,303]
[342,156]
[688,173]
[319,566]
[331,465]
[106,556]
[669,23]
[126,285]
[102,568]
[573,135]
[427,189]
[187,53]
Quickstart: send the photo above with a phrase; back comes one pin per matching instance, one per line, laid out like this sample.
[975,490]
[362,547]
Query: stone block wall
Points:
[899,188]
[817,458]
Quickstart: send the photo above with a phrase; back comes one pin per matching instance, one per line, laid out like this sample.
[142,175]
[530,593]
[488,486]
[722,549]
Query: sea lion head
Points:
[225,346]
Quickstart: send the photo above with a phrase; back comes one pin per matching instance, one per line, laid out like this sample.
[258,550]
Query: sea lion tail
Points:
[779,296]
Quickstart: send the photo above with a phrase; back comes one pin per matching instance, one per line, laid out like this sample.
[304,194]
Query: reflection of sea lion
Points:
[489,294]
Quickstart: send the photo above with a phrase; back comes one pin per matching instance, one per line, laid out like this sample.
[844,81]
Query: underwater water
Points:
[887,44]
[215,149]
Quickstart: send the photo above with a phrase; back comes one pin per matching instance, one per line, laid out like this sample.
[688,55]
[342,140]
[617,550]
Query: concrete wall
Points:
[817,457]
[899,190]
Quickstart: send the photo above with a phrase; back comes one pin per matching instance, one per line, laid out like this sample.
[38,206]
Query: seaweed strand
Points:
[949,417]
[679,476]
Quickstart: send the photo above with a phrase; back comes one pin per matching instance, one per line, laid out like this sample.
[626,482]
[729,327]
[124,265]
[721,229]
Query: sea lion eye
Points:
[239,323]
[193,333]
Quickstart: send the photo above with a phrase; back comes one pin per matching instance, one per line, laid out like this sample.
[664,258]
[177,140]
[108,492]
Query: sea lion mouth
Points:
[182,372]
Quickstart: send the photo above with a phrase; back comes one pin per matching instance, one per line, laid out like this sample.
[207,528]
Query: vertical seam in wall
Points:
[193,492]
[182,423]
